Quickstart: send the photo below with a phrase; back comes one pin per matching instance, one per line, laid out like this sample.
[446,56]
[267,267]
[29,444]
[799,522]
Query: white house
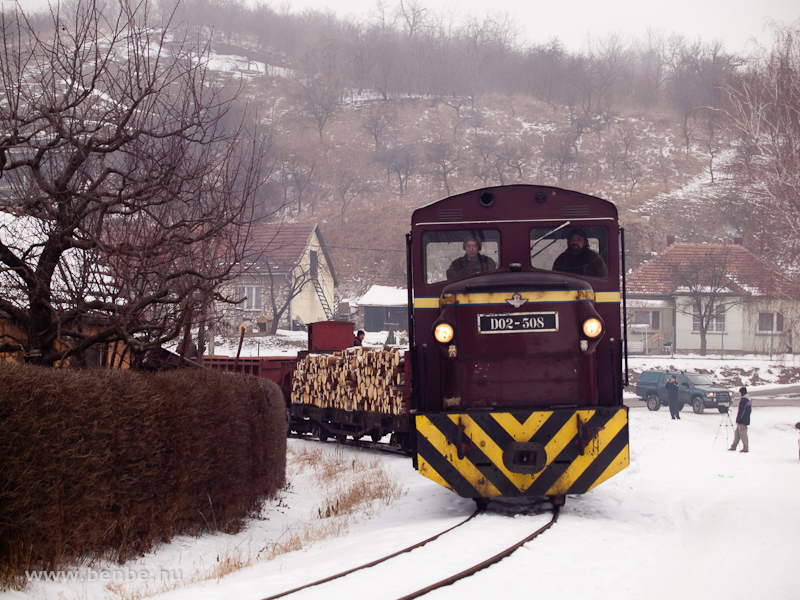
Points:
[711,297]
[290,277]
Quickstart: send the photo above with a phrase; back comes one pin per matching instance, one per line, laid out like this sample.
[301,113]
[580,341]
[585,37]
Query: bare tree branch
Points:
[129,185]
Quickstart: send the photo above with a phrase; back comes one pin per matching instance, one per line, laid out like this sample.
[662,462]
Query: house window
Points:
[717,322]
[770,322]
[651,318]
[314,265]
[253,300]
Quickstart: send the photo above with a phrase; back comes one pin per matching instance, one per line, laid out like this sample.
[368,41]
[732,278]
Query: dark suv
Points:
[693,388]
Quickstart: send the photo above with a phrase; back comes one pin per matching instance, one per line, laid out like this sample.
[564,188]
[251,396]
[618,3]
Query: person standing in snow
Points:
[742,421]
[672,398]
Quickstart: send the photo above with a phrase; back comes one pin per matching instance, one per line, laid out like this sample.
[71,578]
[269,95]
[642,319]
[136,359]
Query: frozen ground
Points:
[687,519]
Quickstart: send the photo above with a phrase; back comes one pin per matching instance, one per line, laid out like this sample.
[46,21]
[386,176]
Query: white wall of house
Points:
[307,305]
[756,325]
[724,334]
[768,323]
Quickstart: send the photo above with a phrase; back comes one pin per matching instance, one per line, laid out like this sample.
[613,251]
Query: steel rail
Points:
[373,563]
[486,563]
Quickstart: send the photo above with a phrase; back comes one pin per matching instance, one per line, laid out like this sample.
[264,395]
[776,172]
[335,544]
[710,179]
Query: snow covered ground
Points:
[688,519]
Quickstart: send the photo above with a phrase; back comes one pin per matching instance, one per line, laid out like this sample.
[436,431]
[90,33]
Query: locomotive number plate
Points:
[518,322]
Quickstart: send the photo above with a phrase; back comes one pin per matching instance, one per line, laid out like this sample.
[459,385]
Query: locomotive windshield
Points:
[577,250]
[451,255]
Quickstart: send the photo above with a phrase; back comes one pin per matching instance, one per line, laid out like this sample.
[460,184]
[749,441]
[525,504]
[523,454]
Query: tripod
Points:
[729,423]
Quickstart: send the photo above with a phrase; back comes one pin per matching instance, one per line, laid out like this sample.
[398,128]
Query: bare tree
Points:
[608,59]
[765,117]
[582,123]
[651,68]
[443,158]
[631,162]
[379,119]
[404,164]
[282,290]
[349,186]
[682,88]
[412,14]
[705,283]
[546,64]
[466,113]
[296,175]
[320,86]
[399,158]
[711,142]
[127,189]
[697,75]
[558,155]
[514,155]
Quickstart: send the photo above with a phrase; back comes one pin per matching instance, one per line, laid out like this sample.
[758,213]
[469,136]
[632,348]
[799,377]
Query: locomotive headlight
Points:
[592,327]
[443,333]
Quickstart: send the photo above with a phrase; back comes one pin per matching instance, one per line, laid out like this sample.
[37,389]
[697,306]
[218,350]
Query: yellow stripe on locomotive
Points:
[522,453]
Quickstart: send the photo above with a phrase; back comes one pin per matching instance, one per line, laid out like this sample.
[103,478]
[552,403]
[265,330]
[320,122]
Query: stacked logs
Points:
[357,378]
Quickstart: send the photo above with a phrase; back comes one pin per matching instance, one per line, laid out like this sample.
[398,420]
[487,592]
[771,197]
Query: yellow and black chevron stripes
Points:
[501,298]
[470,452]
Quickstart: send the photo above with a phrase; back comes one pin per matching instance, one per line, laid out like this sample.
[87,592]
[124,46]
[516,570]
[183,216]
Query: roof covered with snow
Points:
[718,268]
[382,295]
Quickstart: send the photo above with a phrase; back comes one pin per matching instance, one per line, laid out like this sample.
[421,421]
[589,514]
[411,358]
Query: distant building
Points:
[384,308]
[292,273]
[748,305]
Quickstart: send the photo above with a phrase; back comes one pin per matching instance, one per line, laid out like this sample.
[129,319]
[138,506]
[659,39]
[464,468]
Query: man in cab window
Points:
[472,262]
[579,259]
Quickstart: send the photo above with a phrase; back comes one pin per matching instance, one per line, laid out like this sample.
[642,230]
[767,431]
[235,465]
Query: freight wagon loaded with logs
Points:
[336,390]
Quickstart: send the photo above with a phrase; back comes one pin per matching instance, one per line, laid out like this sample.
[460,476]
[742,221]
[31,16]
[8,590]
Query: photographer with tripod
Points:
[742,421]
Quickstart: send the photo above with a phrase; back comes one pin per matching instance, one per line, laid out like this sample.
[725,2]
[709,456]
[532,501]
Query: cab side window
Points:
[454,255]
[579,251]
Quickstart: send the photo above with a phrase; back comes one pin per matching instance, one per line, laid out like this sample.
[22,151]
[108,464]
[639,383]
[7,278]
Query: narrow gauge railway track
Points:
[421,591]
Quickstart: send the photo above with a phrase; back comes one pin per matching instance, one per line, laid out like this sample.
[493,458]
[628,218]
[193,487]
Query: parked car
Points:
[693,388]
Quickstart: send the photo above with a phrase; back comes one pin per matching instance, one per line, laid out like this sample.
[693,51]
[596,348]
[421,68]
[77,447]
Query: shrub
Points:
[112,462]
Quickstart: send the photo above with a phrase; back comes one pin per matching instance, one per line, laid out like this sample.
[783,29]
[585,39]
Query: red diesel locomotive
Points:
[516,342]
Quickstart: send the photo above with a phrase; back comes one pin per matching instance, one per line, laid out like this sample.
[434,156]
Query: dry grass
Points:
[353,488]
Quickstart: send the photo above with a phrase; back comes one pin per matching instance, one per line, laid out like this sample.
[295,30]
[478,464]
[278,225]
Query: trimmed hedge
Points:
[112,462]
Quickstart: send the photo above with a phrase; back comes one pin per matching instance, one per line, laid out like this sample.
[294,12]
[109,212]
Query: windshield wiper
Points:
[551,232]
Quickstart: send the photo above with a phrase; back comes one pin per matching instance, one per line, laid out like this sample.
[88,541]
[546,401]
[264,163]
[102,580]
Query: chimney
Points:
[670,240]
[737,241]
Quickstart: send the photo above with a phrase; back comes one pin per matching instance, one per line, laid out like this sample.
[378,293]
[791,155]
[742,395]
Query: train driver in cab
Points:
[472,263]
[579,259]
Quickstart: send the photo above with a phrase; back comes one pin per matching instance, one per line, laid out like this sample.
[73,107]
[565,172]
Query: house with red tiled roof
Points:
[711,297]
[289,279]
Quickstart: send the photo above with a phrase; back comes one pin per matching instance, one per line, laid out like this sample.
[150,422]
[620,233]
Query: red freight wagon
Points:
[323,423]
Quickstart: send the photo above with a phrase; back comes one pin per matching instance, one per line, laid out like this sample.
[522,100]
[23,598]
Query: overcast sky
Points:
[734,22]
